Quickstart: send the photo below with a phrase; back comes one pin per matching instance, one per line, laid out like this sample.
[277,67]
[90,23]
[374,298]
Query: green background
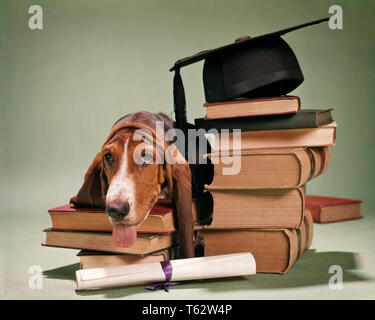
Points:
[62,88]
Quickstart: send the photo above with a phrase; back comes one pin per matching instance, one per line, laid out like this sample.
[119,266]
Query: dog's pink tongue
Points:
[124,236]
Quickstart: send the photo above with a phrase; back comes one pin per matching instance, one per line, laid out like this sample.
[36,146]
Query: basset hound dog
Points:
[128,185]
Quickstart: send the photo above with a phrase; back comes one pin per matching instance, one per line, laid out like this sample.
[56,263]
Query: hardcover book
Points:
[96,259]
[252,107]
[102,241]
[304,119]
[274,139]
[160,219]
[256,208]
[331,209]
[269,168]
[274,250]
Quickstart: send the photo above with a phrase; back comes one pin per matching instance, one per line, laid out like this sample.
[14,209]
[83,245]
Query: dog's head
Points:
[126,178]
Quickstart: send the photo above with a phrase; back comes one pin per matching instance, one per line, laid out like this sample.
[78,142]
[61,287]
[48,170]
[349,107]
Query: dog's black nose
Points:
[118,211]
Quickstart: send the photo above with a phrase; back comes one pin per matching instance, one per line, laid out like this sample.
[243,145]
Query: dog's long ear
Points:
[94,188]
[178,177]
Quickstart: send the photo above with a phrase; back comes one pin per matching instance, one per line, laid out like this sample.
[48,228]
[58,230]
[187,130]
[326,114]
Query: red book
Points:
[160,219]
[330,209]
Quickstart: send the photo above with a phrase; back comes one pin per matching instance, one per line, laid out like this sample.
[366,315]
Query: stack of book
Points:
[90,230]
[261,206]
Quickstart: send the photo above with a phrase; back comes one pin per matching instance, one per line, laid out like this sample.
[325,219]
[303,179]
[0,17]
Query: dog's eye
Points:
[147,159]
[108,157]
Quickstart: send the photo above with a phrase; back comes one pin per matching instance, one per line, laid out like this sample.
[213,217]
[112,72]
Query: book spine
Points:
[304,158]
[309,222]
[299,103]
[294,244]
[313,162]
[324,154]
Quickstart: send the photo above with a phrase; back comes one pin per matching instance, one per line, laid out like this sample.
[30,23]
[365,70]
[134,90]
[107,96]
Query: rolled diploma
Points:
[221,266]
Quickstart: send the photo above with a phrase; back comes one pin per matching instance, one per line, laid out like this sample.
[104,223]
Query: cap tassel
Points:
[179,101]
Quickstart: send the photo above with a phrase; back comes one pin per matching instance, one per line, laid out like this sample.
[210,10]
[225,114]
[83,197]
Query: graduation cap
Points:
[247,68]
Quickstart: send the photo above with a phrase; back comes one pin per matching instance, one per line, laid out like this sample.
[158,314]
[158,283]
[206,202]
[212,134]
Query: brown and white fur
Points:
[128,189]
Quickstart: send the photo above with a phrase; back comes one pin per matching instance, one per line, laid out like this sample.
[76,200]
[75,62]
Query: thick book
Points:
[331,209]
[268,168]
[252,107]
[256,208]
[160,219]
[102,241]
[95,259]
[274,139]
[304,119]
[274,250]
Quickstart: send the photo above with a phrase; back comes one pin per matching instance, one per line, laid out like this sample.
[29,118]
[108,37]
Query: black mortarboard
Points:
[248,68]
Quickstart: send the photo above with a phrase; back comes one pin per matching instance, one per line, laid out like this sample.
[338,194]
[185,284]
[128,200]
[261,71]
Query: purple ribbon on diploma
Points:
[167,269]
